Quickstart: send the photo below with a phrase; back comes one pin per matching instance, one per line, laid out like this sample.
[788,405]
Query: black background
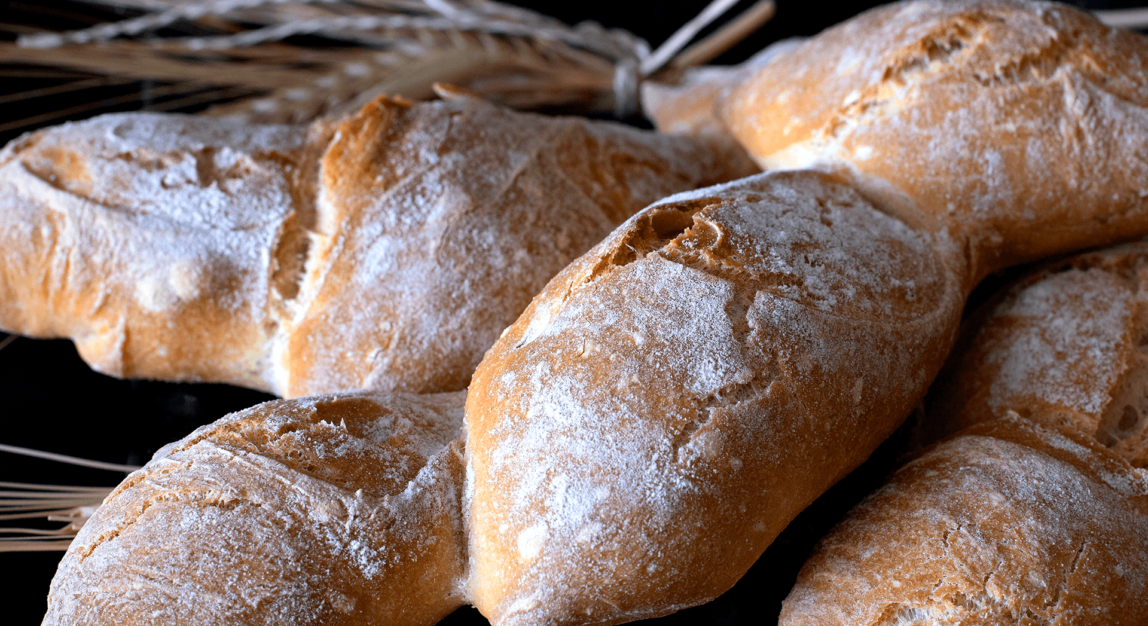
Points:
[50,400]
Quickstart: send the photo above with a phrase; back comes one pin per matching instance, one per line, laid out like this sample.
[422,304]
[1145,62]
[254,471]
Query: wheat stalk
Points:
[49,503]
[508,54]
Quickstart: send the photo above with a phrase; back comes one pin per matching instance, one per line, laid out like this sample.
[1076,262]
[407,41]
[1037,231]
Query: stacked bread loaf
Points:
[1009,522]
[1037,508]
[670,400]
[1005,122]
[1065,347]
[386,251]
[340,509]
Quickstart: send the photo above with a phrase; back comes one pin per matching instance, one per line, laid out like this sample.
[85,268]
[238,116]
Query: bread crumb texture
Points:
[673,398]
[340,509]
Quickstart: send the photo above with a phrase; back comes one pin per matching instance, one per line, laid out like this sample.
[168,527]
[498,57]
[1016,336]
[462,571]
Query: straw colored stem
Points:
[51,91]
[36,532]
[32,545]
[726,37]
[43,487]
[63,458]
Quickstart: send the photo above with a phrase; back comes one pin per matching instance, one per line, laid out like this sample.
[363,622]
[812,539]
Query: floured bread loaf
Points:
[1037,508]
[386,252]
[1064,346]
[341,509]
[674,397]
[1016,125]
[1007,523]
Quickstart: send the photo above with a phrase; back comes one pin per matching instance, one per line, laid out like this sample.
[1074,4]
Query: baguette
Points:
[1063,346]
[672,399]
[383,252]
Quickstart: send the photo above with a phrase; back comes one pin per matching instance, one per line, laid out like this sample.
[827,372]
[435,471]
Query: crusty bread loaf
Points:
[1007,523]
[385,252]
[341,509]
[1065,346]
[1038,507]
[1018,126]
[443,225]
[673,398]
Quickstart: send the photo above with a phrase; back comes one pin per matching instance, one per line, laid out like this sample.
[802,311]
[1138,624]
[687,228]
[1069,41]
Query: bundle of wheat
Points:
[278,61]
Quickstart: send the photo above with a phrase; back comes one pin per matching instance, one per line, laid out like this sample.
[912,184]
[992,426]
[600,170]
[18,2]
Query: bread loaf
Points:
[1064,346]
[386,251]
[341,509]
[1009,522]
[1038,507]
[632,444]
[1017,126]
[673,398]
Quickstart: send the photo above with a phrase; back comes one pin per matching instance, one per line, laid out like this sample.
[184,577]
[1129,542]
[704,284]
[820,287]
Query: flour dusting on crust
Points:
[660,411]
[327,510]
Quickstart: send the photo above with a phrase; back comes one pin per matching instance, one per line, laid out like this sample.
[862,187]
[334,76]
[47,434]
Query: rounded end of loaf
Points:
[674,397]
[1016,125]
[144,238]
[1007,522]
[1065,346]
[341,509]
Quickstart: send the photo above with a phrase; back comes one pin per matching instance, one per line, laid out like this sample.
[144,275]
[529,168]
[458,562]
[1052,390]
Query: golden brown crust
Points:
[1064,346]
[674,397]
[1007,523]
[117,230]
[439,222]
[327,510]
[1018,126]
[186,248]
